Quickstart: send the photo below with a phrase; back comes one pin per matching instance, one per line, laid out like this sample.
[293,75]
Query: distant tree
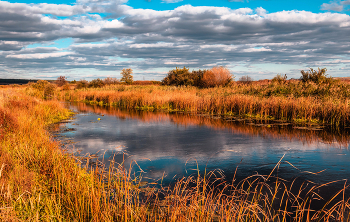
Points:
[217,76]
[61,81]
[246,79]
[126,76]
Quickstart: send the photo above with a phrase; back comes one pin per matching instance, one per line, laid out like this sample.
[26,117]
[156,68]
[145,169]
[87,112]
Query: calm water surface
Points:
[170,145]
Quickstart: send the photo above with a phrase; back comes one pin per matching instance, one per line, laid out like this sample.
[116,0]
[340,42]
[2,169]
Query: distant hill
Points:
[16,81]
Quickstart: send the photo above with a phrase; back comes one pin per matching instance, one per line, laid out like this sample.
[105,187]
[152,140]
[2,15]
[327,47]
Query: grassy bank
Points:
[308,135]
[39,182]
[293,101]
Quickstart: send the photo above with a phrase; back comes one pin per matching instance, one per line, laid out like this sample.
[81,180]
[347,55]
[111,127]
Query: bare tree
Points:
[246,79]
[61,81]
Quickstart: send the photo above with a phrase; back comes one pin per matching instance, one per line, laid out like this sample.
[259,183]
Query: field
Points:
[40,182]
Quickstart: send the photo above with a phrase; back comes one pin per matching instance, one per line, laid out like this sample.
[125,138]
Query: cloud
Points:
[335,5]
[332,7]
[147,40]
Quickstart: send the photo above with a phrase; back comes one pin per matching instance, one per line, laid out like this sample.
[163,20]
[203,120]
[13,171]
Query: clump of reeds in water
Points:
[211,198]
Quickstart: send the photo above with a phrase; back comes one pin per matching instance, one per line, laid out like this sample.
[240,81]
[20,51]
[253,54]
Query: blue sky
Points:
[87,39]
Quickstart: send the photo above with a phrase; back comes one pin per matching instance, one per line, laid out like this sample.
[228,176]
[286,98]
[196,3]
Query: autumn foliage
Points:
[217,76]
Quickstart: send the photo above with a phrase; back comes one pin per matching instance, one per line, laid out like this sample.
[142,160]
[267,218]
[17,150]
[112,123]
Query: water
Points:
[168,146]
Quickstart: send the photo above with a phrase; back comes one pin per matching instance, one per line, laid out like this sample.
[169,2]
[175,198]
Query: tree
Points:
[246,79]
[61,81]
[126,76]
[178,77]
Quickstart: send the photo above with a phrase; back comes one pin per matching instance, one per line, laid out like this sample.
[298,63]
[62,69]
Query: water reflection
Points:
[169,145]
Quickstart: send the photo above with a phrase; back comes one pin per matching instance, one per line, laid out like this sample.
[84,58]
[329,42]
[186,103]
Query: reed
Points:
[40,182]
[309,135]
[294,101]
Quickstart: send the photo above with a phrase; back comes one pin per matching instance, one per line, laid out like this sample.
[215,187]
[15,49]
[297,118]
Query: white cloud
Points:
[39,55]
[156,45]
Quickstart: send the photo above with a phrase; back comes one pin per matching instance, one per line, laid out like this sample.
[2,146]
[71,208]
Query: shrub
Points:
[179,77]
[279,78]
[40,85]
[96,83]
[315,76]
[217,76]
[49,91]
[66,86]
[61,81]
[82,84]
[110,81]
[126,76]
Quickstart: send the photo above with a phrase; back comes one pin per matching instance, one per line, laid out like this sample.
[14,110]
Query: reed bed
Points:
[40,182]
[238,100]
[263,128]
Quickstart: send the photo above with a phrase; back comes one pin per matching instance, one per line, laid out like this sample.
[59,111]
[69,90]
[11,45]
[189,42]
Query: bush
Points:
[179,77]
[40,85]
[49,91]
[61,81]
[96,83]
[66,86]
[217,76]
[315,76]
[279,78]
[110,81]
[82,84]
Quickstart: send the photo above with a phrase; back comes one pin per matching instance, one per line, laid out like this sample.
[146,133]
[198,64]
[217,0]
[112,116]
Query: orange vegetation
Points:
[222,101]
[275,130]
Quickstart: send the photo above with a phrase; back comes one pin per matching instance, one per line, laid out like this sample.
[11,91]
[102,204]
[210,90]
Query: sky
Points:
[89,39]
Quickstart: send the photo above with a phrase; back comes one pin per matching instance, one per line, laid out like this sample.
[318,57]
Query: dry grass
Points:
[39,182]
[310,135]
[295,102]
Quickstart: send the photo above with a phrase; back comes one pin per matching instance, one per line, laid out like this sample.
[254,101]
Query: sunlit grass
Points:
[39,182]
[293,101]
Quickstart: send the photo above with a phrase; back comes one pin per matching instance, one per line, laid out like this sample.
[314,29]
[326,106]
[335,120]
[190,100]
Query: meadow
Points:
[41,182]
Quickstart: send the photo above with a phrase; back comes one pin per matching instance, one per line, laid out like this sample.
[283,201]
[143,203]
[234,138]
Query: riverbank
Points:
[292,101]
[42,183]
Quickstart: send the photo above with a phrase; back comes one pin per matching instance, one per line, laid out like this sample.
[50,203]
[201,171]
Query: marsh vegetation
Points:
[41,182]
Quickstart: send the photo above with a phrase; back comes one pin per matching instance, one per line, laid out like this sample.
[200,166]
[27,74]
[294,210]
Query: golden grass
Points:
[253,101]
[39,182]
[274,130]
